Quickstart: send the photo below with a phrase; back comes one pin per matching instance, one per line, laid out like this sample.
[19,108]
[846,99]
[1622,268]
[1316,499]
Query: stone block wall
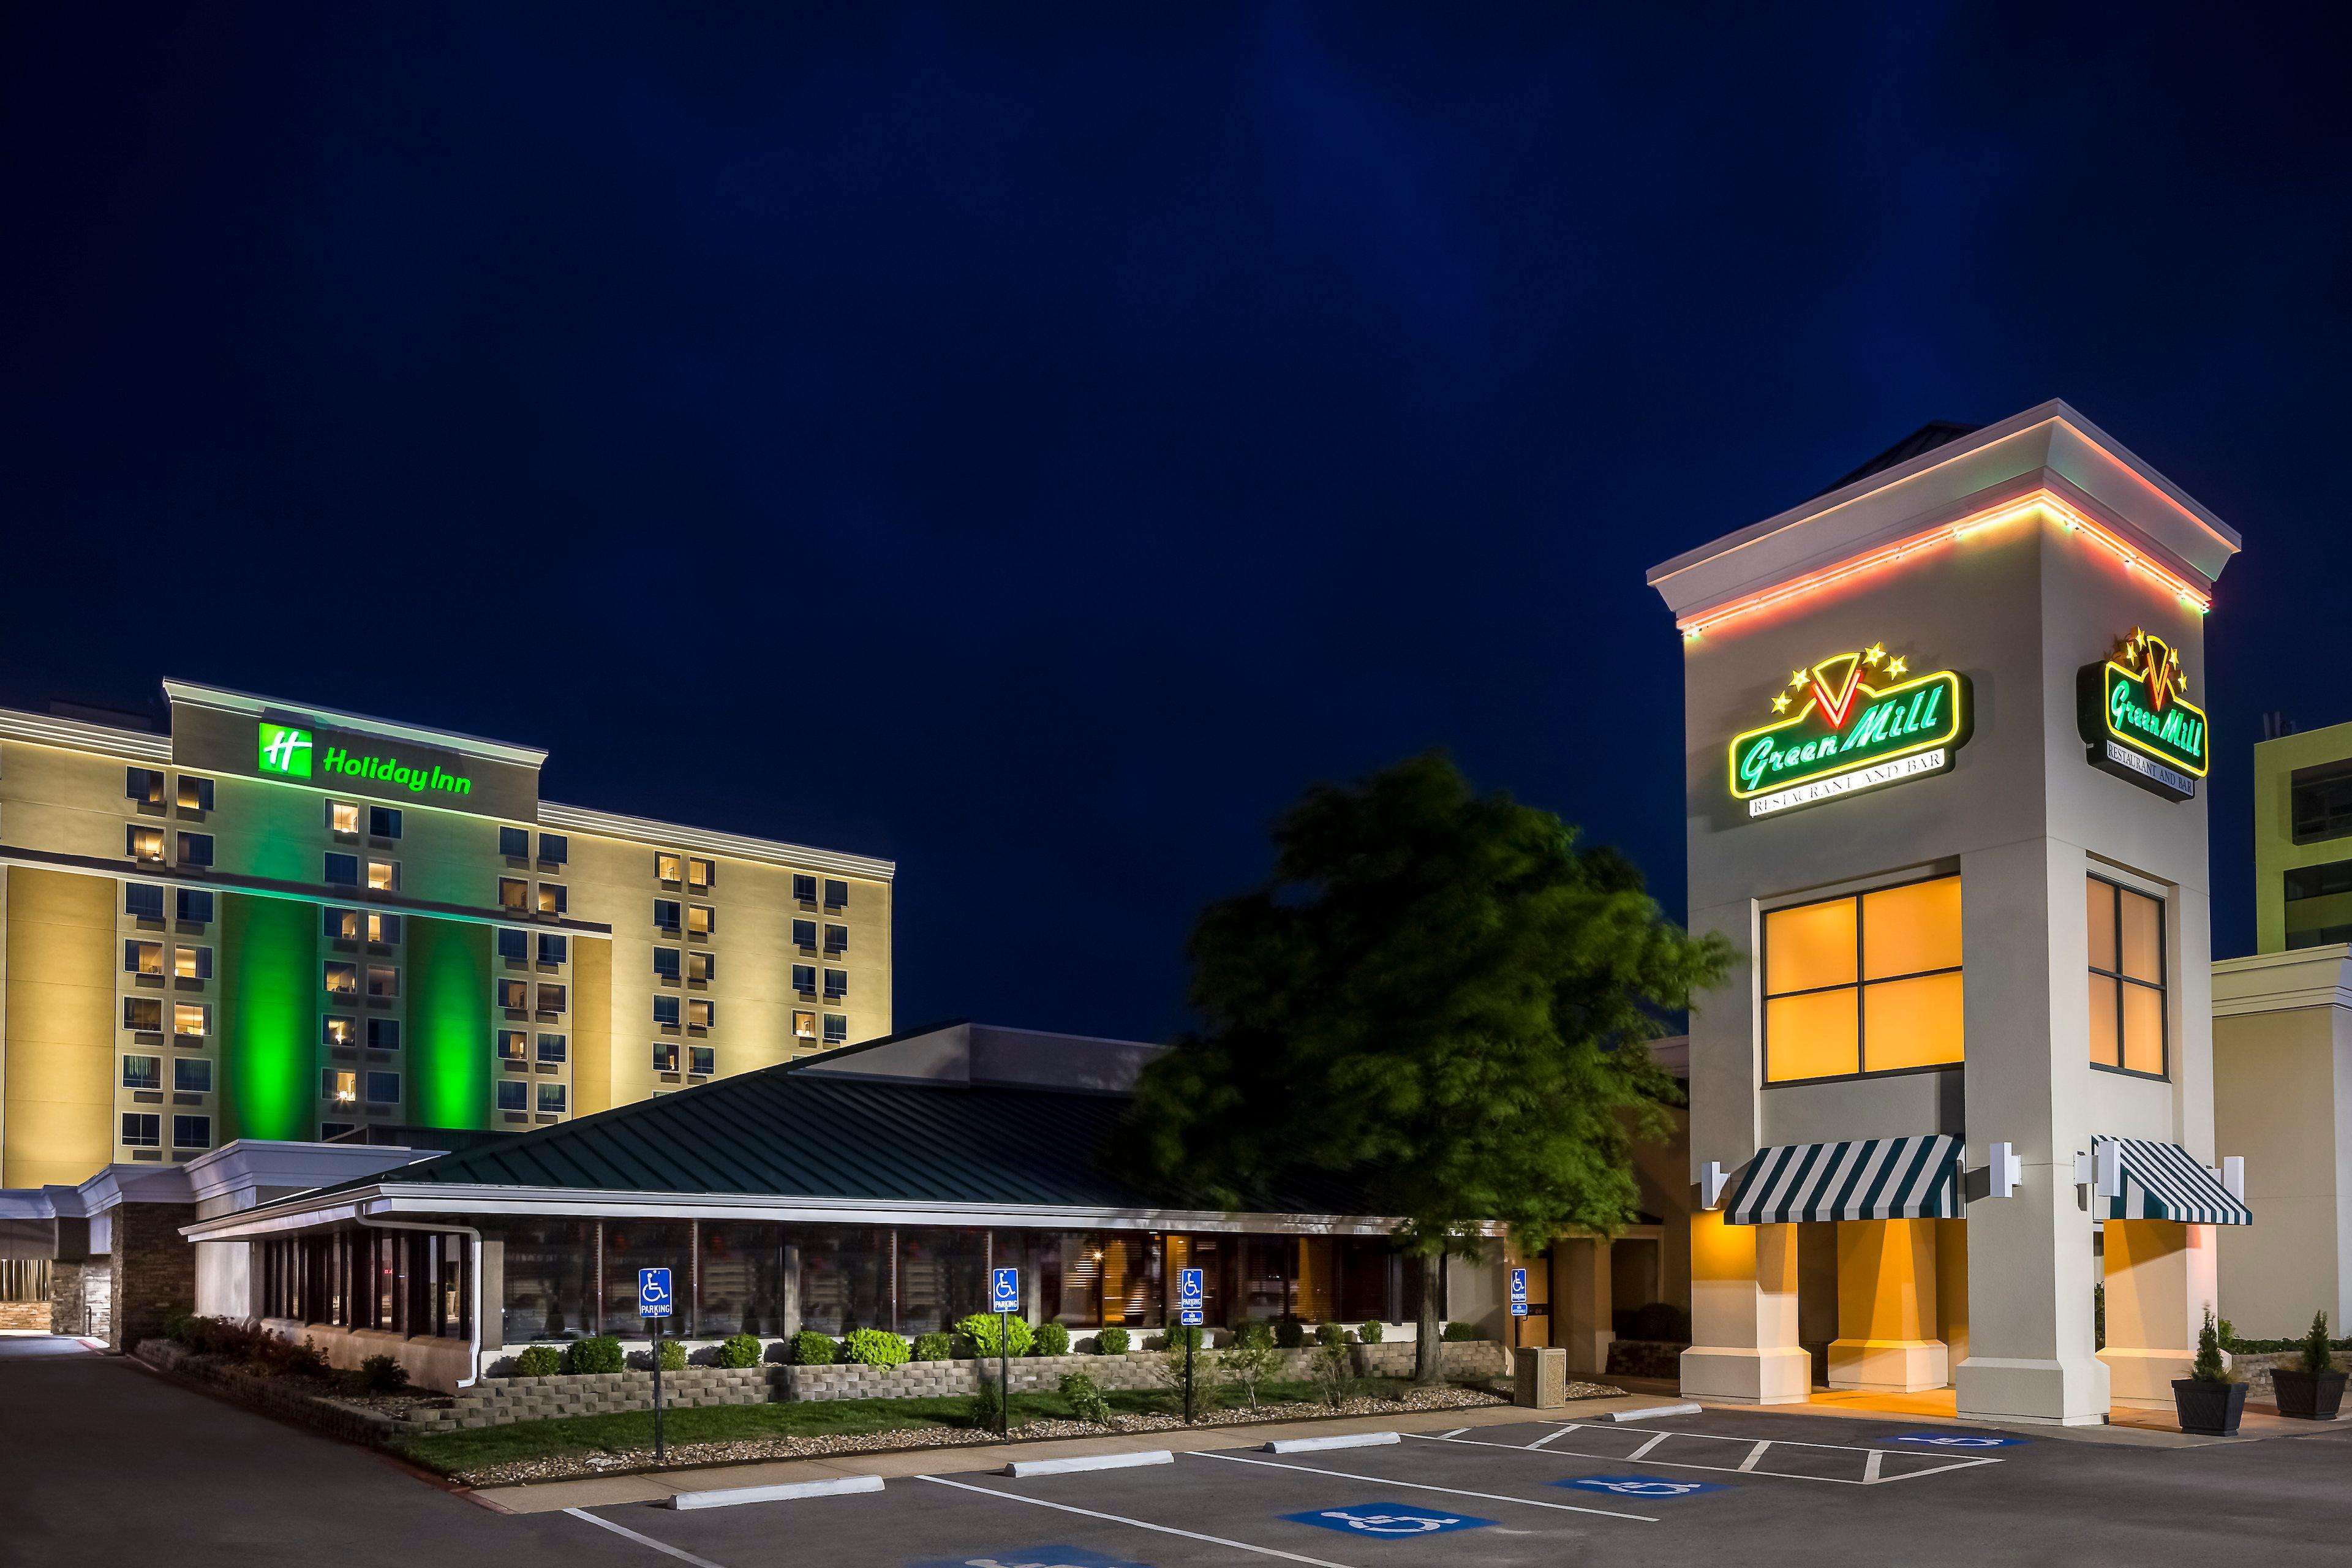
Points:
[80,1297]
[153,1271]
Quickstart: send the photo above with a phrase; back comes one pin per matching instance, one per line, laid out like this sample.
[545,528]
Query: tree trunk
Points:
[1427,1355]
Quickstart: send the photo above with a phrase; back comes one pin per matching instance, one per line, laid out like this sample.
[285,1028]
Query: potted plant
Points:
[2315,1391]
[2208,1401]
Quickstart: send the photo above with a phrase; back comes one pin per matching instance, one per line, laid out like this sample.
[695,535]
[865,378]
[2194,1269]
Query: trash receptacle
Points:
[1539,1380]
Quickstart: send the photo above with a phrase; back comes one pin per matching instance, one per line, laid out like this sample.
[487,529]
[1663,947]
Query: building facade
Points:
[278,921]
[1943,769]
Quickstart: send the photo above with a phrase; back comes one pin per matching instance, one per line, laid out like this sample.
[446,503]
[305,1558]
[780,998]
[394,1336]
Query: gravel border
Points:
[695,1456]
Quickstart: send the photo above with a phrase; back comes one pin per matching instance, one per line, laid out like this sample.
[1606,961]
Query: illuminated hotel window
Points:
[192,962]
[340,1085]
[699,873]
[804,889]
[144,1014]
[343,816]
[553,899]
[803,1025]
[514,1094]
[383,928]
[703,1059]
[701,966]
[383,982]
[666,915]
[192,1133]
[339,1030]
[343,925]
[196,795]
[514,995]
[195,906]
[514,843]
[192,1075]
[384,1089]
[665,963]
[550,1097]
[144,844]
[143,1072]
[550,998]
[512,1044]
[550,1047]
[195,848]
[668,867]
[192,1020]
[804,979]
[514,893]
[836,895]
[145,900]
[1866,984]
[142,958]
[142,785]
[383,822]
[701,919]
[700,1014]
[2128,1010]
[384,1034]
[383,875]
[341,871]
[837,1029]
[142,1130]
[665,1056]
[343,979]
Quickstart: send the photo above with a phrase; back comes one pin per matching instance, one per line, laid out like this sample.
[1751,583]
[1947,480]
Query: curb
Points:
[729,1497]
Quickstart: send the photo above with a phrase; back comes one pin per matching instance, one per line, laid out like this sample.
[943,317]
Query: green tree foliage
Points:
[673,1355]
[813,1349]
[539,1361]
[934,1347]
[1087,1400]
[875,1347]
[740,1351]
[2208,1367]
[988,1340]
[2318,1356]
[600,1352]
[1110,1342]
[1053,1338]
[1439,995]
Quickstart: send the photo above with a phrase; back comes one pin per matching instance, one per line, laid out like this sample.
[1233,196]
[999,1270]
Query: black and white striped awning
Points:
[2164,1181]
[1870,1178]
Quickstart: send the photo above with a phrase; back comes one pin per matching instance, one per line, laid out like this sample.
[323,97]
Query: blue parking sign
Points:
[1188,1289]
[1389,1521]
[653,1292]
[1004,1291]
[1518,1292]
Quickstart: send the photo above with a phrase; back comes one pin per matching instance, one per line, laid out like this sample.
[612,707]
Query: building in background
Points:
[284,923]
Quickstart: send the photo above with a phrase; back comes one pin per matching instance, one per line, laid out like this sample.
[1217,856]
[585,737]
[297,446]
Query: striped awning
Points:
[1870,1178]
[2164,1181]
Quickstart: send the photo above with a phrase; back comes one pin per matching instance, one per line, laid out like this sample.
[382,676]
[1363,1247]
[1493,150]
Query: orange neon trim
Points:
[2071,520]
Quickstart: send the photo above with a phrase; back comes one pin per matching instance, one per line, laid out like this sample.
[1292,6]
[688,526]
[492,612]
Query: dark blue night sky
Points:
[1034,447]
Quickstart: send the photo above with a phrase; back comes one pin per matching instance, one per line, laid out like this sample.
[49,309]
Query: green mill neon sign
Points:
[1854,721]
[287,753]
[2137,720]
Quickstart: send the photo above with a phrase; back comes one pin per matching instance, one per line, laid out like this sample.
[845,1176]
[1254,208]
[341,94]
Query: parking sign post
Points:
[653,1305]
[1004,1295]
[1518,1307]
[1188,1315]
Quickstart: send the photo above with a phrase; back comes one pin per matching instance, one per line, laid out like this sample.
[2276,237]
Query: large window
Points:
[550,1270]
[2320,802]
[632,1245]
[1865,983]
[2128,1024]
[742,1279]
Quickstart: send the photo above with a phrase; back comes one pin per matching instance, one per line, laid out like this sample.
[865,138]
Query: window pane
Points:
[551,1275]
[2103,1022]
[1907,930]
[1912,1022]
[2143,1029]
[1808,946]
[1810,1036]
[632,1245]
[2142,944]
[2099,914]
[740,1279]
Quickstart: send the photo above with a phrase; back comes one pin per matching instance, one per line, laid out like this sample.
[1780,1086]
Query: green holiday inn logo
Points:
[286,752]
[1853,721]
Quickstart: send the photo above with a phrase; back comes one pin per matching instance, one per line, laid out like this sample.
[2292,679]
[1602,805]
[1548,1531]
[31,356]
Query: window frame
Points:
[2116,887]
[1765,997]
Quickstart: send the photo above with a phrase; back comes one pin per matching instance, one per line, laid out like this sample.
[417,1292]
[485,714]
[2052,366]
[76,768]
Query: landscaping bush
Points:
[1176,1339]
[934,1347]
[987,1407]
[2318,1354]
[1290,1333]
[673,1355]
[382,1375]
[1461,1333]
[1248,1364]
[875,1347]
[305,1359]
[1087,1400]
[1253,1332]
[2208,1367]
[1333,1370]
[1053,1338]
[981,1330]
[1110,1342]
[539,1361]
[813,1349]
[181,1329]
[1370,1331]
[601,1353]
[740,1351]
[1330,1334]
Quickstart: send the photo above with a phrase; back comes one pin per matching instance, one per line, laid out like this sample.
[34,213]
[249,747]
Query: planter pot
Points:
[2308,1395]
[2210,1409]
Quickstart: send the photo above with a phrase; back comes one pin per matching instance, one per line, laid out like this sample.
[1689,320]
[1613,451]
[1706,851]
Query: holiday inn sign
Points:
[289,752]
[1852,722]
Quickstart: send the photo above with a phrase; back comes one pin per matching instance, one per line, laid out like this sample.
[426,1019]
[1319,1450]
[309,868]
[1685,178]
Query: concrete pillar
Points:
[1582,1307]
[1744,1315]
[1886,1308]
[2160,1279]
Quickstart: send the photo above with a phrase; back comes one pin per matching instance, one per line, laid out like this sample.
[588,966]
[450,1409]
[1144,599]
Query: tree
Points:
[1440,998]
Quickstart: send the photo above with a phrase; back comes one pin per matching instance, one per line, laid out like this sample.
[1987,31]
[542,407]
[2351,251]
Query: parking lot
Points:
[1751,1487]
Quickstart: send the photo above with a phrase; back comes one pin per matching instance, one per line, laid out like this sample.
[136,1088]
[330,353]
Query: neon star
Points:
[1797,678]
[1896,667]
[1781,703]
[1873,653]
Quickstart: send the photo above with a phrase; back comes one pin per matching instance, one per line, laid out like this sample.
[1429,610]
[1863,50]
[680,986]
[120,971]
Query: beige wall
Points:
[2284,1101]
[60,1027]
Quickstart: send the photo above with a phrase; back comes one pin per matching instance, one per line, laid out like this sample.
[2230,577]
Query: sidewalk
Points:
[604,1491]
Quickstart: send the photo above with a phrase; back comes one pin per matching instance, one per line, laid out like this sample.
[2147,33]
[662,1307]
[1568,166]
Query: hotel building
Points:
[278,921]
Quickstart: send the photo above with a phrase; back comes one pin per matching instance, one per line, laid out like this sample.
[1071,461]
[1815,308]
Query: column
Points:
[1886,1308]
[1581,1305]
[1743,1314]
[2160,1278]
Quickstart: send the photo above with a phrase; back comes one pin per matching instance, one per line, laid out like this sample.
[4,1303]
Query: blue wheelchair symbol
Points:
[1959,1440]
[653,1292]
[1004,1291]
[1389,1520]
[1034,1557]
[1648,1488]
[1188,1289]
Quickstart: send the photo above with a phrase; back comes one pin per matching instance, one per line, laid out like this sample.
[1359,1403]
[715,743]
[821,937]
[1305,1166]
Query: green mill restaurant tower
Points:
[286,922]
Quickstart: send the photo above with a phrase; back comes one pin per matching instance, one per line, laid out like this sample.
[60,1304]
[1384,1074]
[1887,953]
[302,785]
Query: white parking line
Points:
[1747,1466]
[1758,1453]
[661,1546]
[1870,1470]
[1421,1487]
[1647,1446]
[1537,1443]
[1115,1519]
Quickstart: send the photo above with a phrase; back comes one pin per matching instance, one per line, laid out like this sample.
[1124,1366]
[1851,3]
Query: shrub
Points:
[382,1375]
[305,1359]
[1176,1339]
[1207,1368]
[2318,1356]
[1290,1333]
[2208,1367]
[1110,1342]
[601,1353]
[1053,1338]
[180,1328]
[1087,1400]
[673,1355]
[1370,1331]
[981,1330]
[987,1407]
[1333,1370]
[1254,1331]
[934,1347]
[1461,1333]
[539,1361]
[1246,1365]
[813,1349]
[1330,1334]
[875,1347]
[740,1351]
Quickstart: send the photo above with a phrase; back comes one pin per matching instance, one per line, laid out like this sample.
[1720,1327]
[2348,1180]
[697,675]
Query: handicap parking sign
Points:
[1518,1292]
[1004,1291]
[1034,1557]
[653,1292]
[1959,1440]
[1648,1488]
[1388,1520]
[1188,1289]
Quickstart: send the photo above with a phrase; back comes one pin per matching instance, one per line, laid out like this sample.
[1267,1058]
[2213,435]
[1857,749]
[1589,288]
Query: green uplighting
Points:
[450,1022]
[269,971]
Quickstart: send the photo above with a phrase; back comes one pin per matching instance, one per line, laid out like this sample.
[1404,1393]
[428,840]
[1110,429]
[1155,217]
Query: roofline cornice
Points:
[736,846]
[245,704]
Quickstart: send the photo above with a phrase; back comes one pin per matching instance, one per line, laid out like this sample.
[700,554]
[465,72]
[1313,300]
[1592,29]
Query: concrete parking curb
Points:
[1318,1444]
[729,1497]
[1077,1462]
